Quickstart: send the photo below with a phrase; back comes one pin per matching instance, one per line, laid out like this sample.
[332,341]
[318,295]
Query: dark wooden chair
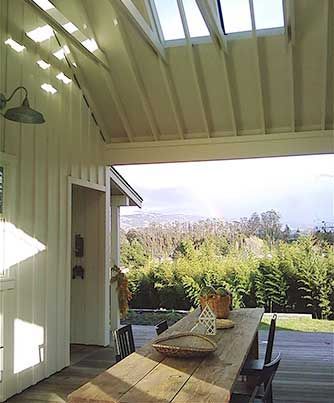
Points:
[161,327]
[263,392]
[124,342]
[254,366]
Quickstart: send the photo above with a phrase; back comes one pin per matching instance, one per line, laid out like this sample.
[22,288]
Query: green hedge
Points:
[295,277]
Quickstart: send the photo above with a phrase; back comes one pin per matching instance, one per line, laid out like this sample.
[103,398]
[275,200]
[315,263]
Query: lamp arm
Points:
[14,92]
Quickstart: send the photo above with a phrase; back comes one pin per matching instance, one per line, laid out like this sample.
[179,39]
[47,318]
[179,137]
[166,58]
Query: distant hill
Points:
[142,219]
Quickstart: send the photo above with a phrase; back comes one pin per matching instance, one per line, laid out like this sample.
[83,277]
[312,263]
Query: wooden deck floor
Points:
[306,373]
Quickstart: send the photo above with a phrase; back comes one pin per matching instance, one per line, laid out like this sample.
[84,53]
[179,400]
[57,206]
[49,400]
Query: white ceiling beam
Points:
[325,71]
[131,12]
[223,148]
[212,21]
[168,79]
[138,80]
[112,86]
[87,93]
[258,67]
[289,16]
[61,30]
[230,99]
[173,98]
[119,104]
[195,68]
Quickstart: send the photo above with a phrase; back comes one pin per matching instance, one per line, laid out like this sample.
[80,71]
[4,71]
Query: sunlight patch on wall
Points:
[28,345]
[14,45]
[16,246]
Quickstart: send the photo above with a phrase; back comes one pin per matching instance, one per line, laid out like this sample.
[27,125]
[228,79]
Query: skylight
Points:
[196,23]
[43,65]
[62,77]
[40,34]
[48,88]
[170,19]
[237,17]
[268,14]
[14,45]
[44,4]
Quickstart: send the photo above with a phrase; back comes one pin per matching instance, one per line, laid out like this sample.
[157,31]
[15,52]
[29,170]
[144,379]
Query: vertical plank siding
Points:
[68,144]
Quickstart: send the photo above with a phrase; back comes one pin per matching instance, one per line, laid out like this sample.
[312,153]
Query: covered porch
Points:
[306,373]
[111,85]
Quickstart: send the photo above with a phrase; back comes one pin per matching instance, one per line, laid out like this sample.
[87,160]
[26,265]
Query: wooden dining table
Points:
[148,376]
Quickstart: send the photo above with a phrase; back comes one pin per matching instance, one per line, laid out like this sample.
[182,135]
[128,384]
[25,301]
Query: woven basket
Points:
[185,345]
[219,304]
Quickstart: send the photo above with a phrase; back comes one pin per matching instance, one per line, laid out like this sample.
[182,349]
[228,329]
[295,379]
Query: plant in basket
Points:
[219,300]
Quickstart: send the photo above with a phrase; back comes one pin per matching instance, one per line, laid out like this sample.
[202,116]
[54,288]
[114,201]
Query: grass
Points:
[293,324]
[301,325]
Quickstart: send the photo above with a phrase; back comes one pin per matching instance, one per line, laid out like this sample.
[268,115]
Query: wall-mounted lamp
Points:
[23,113]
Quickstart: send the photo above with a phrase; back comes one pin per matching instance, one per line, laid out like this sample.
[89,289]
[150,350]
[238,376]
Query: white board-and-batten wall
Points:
[35,314]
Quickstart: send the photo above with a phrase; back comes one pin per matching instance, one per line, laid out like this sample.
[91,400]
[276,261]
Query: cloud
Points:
[300,188]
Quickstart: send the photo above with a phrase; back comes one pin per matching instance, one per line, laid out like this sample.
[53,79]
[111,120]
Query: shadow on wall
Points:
[21,330]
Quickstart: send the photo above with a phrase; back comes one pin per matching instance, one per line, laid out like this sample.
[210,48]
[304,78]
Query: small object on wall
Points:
[79,246]
[78,271]
[208,319]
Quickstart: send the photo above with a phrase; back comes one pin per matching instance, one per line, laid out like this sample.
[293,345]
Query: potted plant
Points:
[219,300]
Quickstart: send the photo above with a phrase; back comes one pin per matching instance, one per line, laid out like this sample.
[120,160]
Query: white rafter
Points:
[131,12]
[138,80]
[212,21]
[258,66]
[194,65]
[222,56]
[289,15]
[168,80]
[325,73]
[112,88]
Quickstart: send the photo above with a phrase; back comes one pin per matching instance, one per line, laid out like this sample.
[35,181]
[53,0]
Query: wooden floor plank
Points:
[306,373]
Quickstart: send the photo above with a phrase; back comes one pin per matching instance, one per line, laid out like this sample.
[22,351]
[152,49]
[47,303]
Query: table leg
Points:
[253,354]
[254,350]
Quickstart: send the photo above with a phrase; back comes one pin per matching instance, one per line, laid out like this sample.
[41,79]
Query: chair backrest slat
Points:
[267,376]
[271,337]
[124,342]
[161,327]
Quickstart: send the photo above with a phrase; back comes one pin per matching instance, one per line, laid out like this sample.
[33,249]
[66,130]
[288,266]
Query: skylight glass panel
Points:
[236,15]
[40,34]
[170,19]
[14,45]
[44,4]
[70,27]
[196,24]
[268,14]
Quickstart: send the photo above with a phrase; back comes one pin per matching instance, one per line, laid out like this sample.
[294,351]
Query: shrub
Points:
[295,277]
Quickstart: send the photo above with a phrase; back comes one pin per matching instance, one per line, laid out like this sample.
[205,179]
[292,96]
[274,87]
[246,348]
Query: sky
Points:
[236,15]
[301,189]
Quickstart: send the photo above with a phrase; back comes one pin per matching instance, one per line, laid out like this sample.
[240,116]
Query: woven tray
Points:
[184,345]
[224,323]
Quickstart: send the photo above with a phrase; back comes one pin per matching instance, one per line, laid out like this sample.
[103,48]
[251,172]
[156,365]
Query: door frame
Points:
[104,189]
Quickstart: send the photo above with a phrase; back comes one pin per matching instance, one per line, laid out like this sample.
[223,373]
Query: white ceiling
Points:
[261,88]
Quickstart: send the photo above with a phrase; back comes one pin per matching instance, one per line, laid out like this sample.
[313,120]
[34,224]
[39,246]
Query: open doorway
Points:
[89,289]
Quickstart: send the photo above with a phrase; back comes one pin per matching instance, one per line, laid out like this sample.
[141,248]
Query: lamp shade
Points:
[24,114]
